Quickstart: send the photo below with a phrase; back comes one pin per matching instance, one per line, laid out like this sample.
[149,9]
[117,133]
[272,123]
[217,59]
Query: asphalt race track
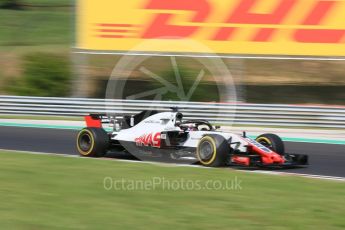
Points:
[324,159]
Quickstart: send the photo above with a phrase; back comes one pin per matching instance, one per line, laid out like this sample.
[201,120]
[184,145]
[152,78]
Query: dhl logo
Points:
[220,23]
[242,14]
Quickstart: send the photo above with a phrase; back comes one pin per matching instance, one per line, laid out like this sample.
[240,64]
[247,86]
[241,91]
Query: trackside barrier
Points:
[220,113]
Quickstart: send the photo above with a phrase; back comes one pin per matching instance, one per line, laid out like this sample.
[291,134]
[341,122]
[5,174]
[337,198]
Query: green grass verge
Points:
[36,27]
[52,192]
[48,3]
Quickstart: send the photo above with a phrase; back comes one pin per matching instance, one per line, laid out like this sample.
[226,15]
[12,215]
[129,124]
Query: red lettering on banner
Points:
[161,27]
[315,17]
[242,15]
[264,35]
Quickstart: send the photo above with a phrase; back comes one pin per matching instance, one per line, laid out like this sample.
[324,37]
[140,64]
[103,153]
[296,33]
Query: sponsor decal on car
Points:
[151,139]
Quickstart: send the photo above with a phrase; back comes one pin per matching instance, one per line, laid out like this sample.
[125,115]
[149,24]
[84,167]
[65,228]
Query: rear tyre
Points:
[273,142]
[92,142]
[213,151]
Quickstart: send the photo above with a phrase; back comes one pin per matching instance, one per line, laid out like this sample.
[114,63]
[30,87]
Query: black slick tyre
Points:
[213,150]
[92,142]
[273,142]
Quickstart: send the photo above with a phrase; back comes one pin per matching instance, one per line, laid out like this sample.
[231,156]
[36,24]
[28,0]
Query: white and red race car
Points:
[169,136]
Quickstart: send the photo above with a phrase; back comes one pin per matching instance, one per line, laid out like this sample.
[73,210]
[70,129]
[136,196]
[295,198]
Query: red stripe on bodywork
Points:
[270,157]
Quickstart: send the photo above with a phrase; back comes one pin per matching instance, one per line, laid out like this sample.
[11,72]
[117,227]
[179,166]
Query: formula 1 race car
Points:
[168,135]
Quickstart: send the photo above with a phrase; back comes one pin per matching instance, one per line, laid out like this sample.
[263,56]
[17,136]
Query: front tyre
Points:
[213,150]
[92,142]
[273,142]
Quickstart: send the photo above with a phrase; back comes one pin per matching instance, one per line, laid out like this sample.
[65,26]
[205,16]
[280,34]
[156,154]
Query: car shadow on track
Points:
[129,157]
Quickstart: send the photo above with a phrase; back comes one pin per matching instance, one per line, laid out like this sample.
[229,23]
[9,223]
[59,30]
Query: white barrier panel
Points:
[220,113]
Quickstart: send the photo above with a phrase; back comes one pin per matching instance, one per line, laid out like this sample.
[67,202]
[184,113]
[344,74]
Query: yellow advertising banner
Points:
[244,27]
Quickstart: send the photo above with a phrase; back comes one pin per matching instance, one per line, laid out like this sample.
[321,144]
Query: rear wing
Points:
[96,120]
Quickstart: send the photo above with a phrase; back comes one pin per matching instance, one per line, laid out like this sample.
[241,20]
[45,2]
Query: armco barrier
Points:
[222,113]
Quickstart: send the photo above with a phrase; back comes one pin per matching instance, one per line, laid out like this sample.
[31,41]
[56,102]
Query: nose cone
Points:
[273,158]
[276,158]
